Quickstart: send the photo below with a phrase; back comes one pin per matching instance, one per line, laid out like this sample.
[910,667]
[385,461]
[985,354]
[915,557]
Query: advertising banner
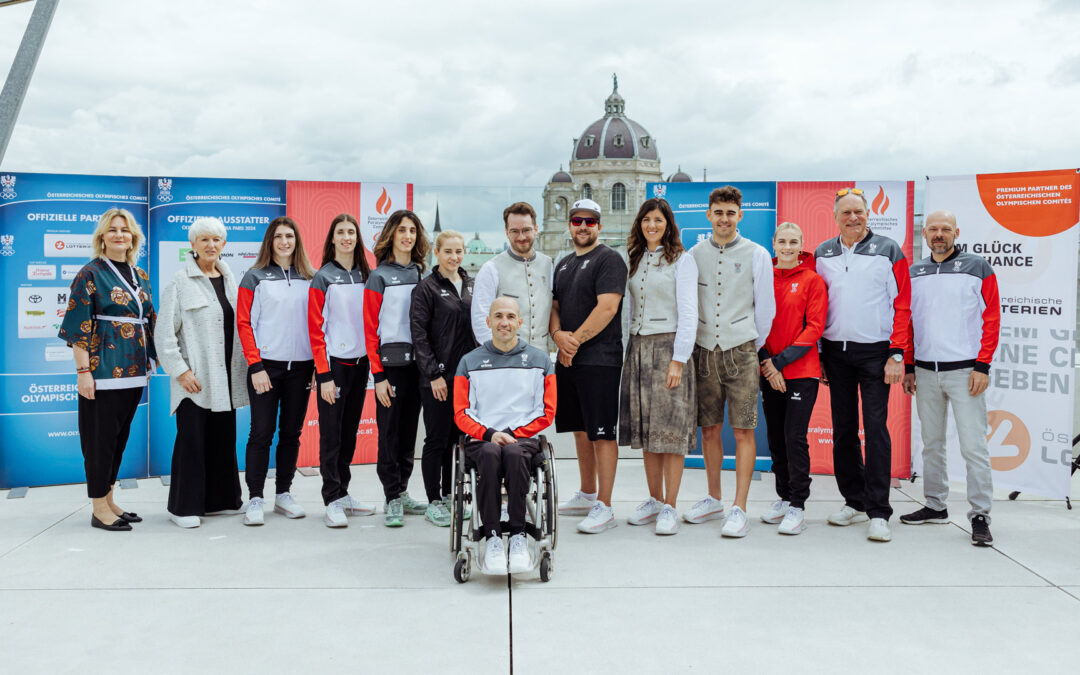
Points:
[246,207]
[689,202]
[892,206]
[1025,225]
[46,227]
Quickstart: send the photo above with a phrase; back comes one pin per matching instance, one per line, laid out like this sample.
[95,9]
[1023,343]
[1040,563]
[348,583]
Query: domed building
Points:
[611,162]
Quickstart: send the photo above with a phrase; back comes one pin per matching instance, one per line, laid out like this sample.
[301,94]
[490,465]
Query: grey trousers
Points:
[935,392]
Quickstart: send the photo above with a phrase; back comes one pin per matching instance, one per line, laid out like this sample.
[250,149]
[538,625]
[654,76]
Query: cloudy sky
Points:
[478,101]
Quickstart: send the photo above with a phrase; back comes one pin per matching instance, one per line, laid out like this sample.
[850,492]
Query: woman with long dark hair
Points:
[109,325]
[401,252]
[657,400]
[271,319]
[442,334]
[336,330]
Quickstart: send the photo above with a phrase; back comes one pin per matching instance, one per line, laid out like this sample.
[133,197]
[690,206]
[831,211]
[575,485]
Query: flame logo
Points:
[881,203]
[383,203]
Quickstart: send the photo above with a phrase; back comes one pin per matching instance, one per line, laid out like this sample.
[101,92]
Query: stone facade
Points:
[611,163]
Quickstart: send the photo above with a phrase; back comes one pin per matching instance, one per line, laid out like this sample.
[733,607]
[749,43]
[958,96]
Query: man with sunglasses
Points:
[586,325]
[520,272]
[866,334]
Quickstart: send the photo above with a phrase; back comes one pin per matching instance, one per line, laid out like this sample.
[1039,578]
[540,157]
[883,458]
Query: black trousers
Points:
[338,424]
[442,434]
[282,407]
[397,430]
[204,473]
[494,466]
[857,371]
[104,425]
[787,417]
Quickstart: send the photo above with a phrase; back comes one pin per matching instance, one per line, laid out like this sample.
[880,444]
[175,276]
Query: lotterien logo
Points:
[7,187]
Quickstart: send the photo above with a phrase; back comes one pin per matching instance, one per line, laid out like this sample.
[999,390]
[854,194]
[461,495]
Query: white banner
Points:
[377,202]
[1025,225]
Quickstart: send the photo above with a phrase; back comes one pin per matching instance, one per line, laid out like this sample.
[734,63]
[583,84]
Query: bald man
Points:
[504,396]
[955,318]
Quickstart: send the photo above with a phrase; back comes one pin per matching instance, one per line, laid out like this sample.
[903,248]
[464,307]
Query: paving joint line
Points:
[20,545]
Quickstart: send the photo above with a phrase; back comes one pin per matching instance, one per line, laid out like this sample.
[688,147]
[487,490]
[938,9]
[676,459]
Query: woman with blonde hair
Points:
[401,252]
[790,370]
[109,325]
[442,334]
[271,319]
[196,342]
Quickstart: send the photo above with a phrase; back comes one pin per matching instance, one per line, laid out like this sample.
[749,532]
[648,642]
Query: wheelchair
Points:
[541,513]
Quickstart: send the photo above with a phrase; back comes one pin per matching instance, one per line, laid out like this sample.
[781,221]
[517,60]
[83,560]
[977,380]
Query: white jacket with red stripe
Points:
[869,291]
[510,391]
[955,312]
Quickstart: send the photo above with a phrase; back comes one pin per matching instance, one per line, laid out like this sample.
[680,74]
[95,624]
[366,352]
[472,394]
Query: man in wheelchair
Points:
[504,396]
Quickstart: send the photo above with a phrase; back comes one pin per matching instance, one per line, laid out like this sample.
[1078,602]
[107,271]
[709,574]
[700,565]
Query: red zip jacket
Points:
[802,303]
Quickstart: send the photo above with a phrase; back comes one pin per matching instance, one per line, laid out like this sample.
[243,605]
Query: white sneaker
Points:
[494,557]
[335,514]
[578,505]
[793,522]
[601,517]
[667,522]
[519,555]
[186,522]
[646,512]
[706,509]
[287,506]
[776,512]
[736,524]
[879,530]
[253,514]
[847,516]
[355,507]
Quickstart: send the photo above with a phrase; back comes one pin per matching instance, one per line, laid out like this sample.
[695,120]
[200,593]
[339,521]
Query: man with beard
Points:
[521,273]
[586,325]
[955,318]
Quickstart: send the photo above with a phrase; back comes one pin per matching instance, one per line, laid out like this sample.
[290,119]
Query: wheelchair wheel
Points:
[457,519]
[551,497]
[462,569]
[545,566]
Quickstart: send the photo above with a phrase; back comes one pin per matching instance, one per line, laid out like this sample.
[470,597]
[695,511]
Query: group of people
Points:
[709,329]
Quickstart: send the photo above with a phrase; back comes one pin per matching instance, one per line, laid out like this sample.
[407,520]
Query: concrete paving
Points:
[294,595]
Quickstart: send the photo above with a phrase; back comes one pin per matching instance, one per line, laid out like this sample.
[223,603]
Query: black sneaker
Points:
[925,515]
[980,532]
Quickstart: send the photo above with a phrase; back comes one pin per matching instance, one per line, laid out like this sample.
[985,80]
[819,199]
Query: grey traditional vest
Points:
[528,282]
[652,291]
[725,293]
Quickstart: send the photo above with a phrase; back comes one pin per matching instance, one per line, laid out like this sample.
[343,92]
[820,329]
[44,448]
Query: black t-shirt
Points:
[579,279]
[228,317]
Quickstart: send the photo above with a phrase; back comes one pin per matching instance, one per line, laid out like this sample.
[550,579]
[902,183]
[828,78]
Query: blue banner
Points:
[690,201]
[246,207]
[46,223]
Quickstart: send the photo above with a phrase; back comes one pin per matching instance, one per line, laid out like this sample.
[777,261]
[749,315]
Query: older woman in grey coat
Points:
[199,348]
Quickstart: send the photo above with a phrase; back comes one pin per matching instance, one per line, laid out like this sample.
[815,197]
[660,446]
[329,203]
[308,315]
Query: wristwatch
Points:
[897,357]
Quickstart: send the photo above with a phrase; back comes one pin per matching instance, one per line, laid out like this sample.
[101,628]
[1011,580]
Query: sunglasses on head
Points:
[846,191]
[582,220]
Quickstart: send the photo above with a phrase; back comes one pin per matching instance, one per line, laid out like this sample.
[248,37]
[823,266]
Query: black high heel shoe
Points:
[118,525]
[131,517]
